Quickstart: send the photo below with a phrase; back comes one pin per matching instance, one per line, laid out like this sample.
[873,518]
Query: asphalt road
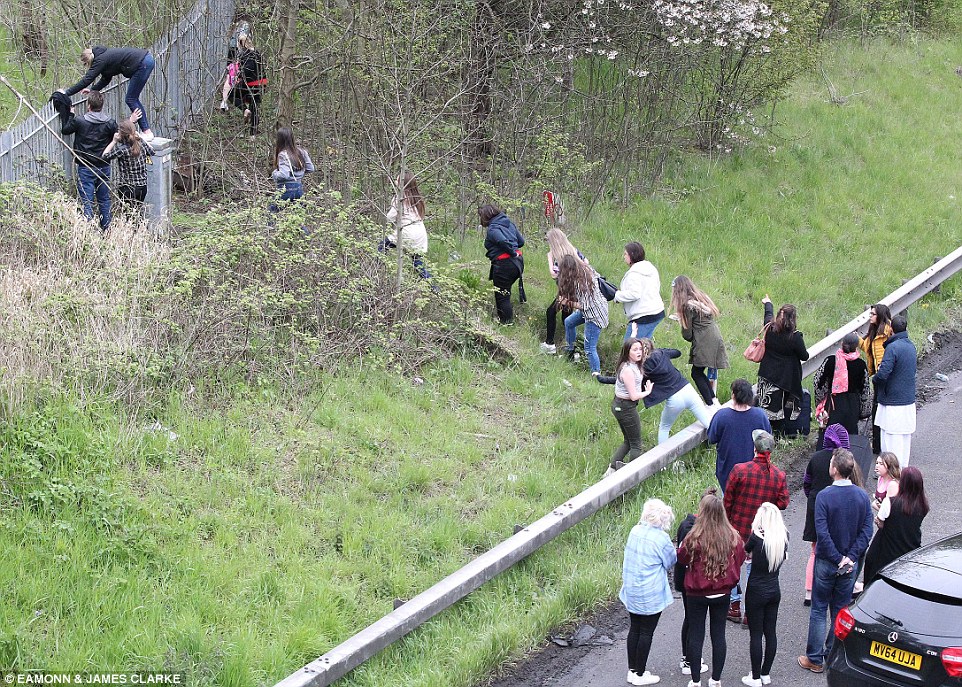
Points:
[936,451]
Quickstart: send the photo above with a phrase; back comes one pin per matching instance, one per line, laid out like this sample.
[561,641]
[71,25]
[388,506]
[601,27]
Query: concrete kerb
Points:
[351,653]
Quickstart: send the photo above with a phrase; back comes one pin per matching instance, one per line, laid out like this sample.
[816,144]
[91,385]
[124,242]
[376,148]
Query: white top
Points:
[640,291]
[414,235]
[896,419]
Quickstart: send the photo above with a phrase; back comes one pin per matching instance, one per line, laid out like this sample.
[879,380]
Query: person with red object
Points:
[749,486]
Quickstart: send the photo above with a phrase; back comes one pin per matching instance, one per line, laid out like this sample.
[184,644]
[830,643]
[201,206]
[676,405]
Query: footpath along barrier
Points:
[351,653]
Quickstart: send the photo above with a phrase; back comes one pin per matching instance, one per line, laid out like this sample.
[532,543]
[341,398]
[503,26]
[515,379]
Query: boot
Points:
[735,612]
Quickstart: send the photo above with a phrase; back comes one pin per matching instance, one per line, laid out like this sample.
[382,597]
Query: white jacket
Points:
[414,235]
[640,291]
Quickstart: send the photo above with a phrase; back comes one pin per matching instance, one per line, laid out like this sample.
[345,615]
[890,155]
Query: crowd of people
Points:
[744,527]
[741,519]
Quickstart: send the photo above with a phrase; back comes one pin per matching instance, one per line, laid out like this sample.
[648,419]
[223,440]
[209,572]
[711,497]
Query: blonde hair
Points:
[87,56]
[684,290]
[559,245]
[769,526]
[245,42]
[658,514]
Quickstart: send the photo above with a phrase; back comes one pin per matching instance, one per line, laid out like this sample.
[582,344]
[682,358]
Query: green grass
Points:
[269,529]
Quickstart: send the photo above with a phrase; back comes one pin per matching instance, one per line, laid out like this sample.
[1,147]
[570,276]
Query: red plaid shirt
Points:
[749,486]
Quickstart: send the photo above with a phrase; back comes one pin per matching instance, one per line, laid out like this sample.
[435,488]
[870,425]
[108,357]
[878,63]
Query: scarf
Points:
[836,436]
[840,378]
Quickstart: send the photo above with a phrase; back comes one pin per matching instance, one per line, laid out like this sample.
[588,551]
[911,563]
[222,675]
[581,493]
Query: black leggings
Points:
[551,319]
[684,625]
[762,619]
[700,379]
[626,413]
[504,273]
[639,640]
[716,609]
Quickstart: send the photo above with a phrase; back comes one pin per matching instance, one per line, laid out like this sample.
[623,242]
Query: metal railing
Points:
[351,653]
[190,59]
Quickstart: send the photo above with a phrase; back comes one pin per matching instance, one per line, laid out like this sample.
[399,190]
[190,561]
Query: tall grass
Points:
[238,533]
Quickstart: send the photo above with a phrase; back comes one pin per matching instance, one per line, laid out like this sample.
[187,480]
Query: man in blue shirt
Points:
[843,526]
[731,429]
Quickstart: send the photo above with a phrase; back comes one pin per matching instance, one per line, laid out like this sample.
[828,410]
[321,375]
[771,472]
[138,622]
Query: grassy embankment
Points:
[268,531]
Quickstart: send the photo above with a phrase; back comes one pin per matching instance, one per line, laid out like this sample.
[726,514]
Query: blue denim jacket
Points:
[649,555]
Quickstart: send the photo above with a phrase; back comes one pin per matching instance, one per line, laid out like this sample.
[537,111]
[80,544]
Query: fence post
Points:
[6,160]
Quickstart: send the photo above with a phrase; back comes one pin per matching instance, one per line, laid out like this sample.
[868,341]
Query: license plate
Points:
[898,656]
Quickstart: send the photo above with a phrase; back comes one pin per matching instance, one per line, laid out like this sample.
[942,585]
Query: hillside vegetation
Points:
[235,519]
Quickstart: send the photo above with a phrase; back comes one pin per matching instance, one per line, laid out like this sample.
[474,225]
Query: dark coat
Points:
[784,355]
[846,408]
[899,534]
[92,132]
[895,379]
[667,380]
[502,237]
[108,63]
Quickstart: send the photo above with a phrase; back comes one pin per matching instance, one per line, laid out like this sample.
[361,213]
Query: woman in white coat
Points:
[640,294]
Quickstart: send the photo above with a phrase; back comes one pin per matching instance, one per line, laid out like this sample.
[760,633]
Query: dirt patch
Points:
[942,357]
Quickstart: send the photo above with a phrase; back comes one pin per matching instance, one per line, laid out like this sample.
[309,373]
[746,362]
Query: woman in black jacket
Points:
[780,372]
[502,245]
[841,387]
[250,81]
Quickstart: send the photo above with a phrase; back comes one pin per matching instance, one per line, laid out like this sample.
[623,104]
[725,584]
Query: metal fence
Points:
[190,59]
[353,651]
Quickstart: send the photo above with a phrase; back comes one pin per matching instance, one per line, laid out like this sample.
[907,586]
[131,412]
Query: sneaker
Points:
[735,612]
[645,678]
[147,135]
[247,114]
[803,662]
[686,669]
[751,682]
[766,679]
[548,348]
[714,683]
[223,105]
[692,683]
[608,473]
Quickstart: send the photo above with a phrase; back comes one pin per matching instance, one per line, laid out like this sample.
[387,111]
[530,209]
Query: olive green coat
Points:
[707,346]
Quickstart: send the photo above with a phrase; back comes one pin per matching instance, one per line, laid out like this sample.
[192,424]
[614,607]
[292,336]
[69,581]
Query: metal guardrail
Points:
[351,653]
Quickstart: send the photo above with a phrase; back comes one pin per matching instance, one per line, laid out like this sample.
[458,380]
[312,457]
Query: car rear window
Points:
[920,613]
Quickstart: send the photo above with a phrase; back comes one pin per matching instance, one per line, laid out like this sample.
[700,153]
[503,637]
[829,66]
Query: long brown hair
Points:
[129,136]
[712,538]
[684,290]
[574,278]
[285,144]
[786,321]
[646,348]
[412,194]
[883,318]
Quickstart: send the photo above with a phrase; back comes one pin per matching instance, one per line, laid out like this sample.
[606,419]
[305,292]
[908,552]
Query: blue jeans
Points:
[95,184]
[643,331]
[830,592]
[592,333]
[736,594]
[686,397]
[416,259]
[136,85]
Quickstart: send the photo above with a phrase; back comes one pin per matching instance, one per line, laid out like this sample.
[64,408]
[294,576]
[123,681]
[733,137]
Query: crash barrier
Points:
[348,655]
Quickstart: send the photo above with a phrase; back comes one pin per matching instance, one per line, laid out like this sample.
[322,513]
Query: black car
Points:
[905,629]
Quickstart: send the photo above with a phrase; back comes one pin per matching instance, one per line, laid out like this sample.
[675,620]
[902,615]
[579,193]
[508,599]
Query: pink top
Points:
[232,71]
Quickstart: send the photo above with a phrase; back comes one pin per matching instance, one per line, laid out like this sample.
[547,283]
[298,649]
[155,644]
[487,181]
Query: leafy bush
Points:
[252,294]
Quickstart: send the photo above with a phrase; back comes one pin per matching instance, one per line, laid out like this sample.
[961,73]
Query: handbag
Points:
[607,289]
[822,411]
[756,349]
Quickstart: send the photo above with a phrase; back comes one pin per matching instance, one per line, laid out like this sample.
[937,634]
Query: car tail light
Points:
[952,661]
[844,623]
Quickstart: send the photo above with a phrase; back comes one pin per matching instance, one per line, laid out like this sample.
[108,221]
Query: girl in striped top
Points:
[578,288]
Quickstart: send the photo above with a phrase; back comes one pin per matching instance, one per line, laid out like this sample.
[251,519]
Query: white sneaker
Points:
[548,349]
[714,683]
[694,684]
[686,669]
[223,105]
[608,473]
[147,135]
[645,678]
[751,682]
[766,679]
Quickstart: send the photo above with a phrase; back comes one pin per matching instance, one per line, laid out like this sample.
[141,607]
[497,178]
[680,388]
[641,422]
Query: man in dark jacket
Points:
[895,391]
[134,63]
[843,527]
[91,134]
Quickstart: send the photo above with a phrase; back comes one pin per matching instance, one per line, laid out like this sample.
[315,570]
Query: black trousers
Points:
[639,640]
[132,194]
[716,609]
[504,273]
[762,619]
[551,319]
[700,379]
